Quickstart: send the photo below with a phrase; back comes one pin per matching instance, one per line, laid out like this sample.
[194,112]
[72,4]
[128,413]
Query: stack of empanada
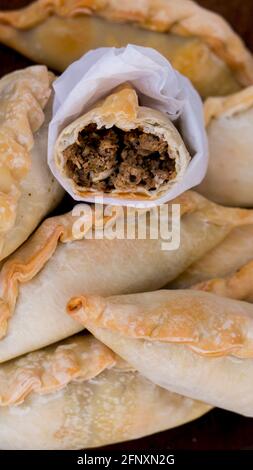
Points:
[93,348]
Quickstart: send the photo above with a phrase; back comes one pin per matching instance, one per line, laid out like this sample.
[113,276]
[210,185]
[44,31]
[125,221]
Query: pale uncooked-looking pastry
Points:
[231,254]
[79,394]
[238,285]
[28,190]
[229,123]
[38,279]
[199,43]
[121,149]
[190,342]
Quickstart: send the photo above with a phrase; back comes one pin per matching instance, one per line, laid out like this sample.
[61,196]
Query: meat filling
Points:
[106,159]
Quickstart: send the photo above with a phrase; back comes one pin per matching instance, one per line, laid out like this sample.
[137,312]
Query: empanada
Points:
[37,281]
[238,285]
[226,258]
[28,190]
[193,343]
[229,123]
[200,44]
[79,394]
[122,150]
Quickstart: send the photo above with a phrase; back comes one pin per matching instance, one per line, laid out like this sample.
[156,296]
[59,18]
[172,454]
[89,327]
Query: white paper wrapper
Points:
[158,85]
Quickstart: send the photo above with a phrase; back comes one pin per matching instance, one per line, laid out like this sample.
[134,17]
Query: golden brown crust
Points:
[229,105]
[50,369]
[182,17]
[23,96]
[238,286]
[121,109]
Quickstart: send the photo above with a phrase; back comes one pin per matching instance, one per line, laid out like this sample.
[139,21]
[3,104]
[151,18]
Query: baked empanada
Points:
[238,285]
[28,190]
[37,281]
[122,150]
[226,258]
[79,394]
[190,342]
[229,123]
[199,43]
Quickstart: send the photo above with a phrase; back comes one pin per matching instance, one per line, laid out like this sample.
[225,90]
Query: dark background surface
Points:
[218,429]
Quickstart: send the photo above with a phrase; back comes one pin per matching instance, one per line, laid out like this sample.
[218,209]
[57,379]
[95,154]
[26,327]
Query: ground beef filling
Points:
[107,159]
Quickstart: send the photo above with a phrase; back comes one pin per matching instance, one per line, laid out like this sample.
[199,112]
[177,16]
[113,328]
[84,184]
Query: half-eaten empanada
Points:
[122,150]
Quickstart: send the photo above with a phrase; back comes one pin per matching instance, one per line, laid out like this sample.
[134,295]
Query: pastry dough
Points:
[120,149]
[238,285]
[229,123]
[189,342]
[57,33]
[79,394]
[28,190]
[231,254]
[37,280]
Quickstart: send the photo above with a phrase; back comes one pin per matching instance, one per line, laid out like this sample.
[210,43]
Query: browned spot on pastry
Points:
[106,159]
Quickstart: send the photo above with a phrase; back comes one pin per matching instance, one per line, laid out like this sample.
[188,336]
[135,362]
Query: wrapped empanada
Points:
[127,128]
[37,280]
[229,123]
[28,190]
[199,43]
[79,394]
[190,342]
[226,258]
[121,151]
